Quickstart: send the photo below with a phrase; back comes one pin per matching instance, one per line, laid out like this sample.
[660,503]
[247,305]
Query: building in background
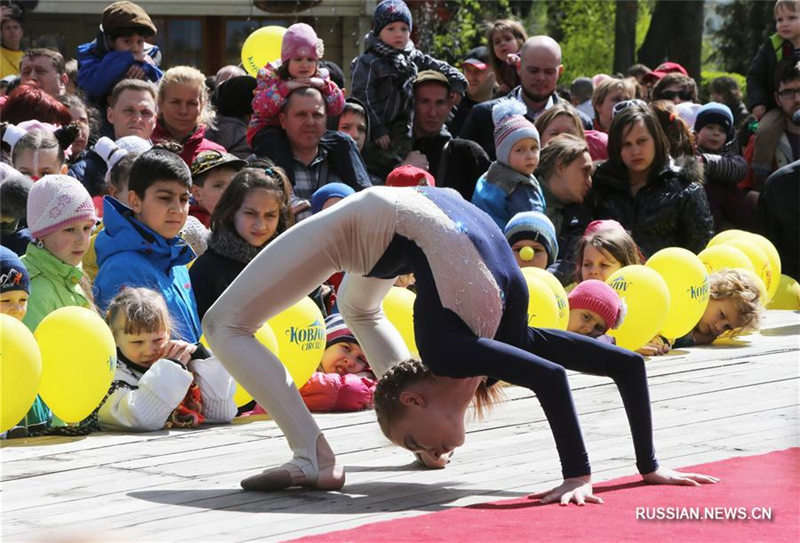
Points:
[207,34]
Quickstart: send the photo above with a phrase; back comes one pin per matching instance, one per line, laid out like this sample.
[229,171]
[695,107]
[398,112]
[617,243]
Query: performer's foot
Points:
[330,476]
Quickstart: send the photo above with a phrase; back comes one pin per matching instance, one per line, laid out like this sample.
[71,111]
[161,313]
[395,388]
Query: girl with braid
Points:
[470,323]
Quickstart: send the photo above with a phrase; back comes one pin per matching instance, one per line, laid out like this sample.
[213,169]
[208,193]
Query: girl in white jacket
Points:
[160,383]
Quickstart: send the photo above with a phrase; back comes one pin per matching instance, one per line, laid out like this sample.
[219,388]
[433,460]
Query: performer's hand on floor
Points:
[666,476]
[574,489]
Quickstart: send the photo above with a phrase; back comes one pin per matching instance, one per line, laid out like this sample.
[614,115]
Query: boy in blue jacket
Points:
[140,245]
[118,52]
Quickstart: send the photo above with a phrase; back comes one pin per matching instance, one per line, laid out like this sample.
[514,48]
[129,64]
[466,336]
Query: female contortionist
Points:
[470,320]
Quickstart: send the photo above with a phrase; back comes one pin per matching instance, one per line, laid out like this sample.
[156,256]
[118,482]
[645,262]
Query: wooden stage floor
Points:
[708,403]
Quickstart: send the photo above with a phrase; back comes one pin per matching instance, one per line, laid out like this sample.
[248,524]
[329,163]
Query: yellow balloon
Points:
[526,254]
[267,338]
[774,261]
[300,334]
[725,235]
[20,371]
[542,304]
[787,296]
[647,297]
[558,291]
[263,45]
[79,358]
[722,256]
[758,259]
[687,281]
[398,305]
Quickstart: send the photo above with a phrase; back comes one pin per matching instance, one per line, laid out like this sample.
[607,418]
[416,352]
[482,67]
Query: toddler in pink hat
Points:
[594,307]
[301,51]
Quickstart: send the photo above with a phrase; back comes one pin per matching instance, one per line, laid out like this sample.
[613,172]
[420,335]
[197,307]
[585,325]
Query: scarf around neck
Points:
[228,243]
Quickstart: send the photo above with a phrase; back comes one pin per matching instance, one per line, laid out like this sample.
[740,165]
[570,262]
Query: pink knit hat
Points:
[603,224]
[300,40]
[597,296]
[55,201]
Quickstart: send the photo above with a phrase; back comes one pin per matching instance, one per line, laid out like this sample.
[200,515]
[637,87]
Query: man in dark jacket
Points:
[778,210]
[310,155]
[539,70]
[481,84]
[454,162]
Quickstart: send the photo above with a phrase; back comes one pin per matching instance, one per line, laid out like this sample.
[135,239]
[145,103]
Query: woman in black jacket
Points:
[659,200]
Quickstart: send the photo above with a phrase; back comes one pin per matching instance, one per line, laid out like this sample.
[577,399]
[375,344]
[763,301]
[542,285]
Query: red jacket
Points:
[192,145]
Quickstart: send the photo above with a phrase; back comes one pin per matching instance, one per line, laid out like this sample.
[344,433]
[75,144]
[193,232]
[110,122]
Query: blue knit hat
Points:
[331,190]
[388,12]
[714,113]
[534,226]
[510,126]
[13,275]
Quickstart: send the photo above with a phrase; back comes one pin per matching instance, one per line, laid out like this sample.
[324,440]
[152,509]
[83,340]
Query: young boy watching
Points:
[212,172]
[140,245]
[118,52]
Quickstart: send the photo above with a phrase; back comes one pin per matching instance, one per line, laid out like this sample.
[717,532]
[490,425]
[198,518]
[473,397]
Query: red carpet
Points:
[749,487]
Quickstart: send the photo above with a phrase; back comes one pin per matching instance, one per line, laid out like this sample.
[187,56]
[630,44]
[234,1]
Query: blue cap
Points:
[331,190]
[13,275]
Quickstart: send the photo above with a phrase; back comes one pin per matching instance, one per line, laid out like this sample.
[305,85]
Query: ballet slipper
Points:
[330,475]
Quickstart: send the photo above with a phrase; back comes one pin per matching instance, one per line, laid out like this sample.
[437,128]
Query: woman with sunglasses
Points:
[659,200]
[675,87]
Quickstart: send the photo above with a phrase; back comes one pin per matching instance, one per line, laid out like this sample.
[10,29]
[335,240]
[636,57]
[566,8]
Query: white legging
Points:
[351,239]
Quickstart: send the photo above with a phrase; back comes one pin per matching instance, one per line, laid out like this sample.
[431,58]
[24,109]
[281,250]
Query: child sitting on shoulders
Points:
[301,51]
[383,79]
[509,186]
[118,52]
[594,308]
[532,238]
[160,383]
[14,293]
[344,380]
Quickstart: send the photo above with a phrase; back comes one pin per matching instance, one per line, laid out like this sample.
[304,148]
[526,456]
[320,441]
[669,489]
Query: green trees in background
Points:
[598,36]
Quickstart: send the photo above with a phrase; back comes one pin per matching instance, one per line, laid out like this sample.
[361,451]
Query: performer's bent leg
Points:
[359,302]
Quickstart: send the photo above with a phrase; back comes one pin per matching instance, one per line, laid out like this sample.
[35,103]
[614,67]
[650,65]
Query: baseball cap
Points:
[477,57]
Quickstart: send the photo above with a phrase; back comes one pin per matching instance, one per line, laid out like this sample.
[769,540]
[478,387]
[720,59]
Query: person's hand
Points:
[666,476]
[513,59]
[383,142]
[178,350]
[655,347]
[300,205]
[293,84]
[433,462]
[316,82]
[404,280]
[416,158]
[574,489]
[759,111]
[135,72]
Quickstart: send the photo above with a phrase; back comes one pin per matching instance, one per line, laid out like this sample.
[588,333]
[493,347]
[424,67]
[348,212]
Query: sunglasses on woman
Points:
[684,95]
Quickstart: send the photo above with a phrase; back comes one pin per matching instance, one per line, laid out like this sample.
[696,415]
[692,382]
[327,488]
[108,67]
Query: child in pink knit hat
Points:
[594,307]
[301,51]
